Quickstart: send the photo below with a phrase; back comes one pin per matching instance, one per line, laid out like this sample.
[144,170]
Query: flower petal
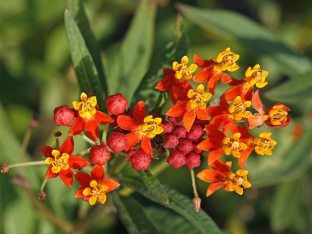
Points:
[214,155]
[49,174]
[98,174]
[146,145]
[111,184]
[103,118]
[77,127]
[177,110]
[139,112]
[132,139]
[67,177]
[68,145]
[83,178]
[47,150]
[213,187]
[77,162]
[127,123]
[189,118]
[92,129]
[211,176]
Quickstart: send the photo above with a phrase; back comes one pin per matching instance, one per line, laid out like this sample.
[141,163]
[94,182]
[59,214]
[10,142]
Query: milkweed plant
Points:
[185,111]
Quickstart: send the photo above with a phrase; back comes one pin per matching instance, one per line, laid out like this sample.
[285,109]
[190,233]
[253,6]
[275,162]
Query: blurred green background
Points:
[36,76]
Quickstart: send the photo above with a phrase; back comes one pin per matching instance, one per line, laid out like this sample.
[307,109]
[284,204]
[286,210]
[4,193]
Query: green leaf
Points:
[248,33]
[133,216]
[285,205]
[154,186]
[128,68]
[87,74]
[77,10]
[294,164]
[173,51]
[293,90]
[179,203]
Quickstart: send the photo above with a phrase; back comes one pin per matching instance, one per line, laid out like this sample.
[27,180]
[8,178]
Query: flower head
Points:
[182,70]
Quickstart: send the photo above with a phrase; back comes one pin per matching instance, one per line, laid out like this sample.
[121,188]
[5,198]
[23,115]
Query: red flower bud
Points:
[195,133]
[180,131]
[4,168]
[176,159]
[185,145]
[117,141]
[175,120]
[170,141]
[168,127]
[192,160]
[63,115]
[42,195]
[116,104]
[99,155]
[140,160]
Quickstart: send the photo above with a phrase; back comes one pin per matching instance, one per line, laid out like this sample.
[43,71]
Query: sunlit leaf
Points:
[86,71]
[133,217]
[179,203]
[154,186]
[250,34]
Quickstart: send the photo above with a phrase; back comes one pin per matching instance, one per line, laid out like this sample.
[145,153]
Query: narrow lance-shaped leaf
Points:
[87,74]
[248,33]
[133,217]
[77,10]
[179,203]
[154,186]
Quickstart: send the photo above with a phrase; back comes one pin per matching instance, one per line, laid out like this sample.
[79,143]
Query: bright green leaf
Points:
[133,217]
[179,203]
[154,186]
[292,91]
[87,74]
[250,34]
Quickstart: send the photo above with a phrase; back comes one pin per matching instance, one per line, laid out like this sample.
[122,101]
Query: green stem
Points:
[87,139]
[24,164]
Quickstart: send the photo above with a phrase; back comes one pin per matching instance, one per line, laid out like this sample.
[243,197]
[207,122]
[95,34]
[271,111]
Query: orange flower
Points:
[88,117]
[213,69]
[194,107]
[94,187]
[220,175]
[142,128]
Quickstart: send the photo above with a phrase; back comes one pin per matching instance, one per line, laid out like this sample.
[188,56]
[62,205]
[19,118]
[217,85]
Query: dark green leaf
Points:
[248,33]
[285,205]
[153,185]
[174,51]
[292,91]
[179,203]
[87,74]
[128,68]
[294,164]
[77,10]
[133,216]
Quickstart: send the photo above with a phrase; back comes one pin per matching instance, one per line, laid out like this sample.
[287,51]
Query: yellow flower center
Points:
[226,60]
[256,76]
[86,108]
[238,109]
[264,144]
[59,162]
[276,115]
[151,127]
[233,146]
[237,182]
[182,70]
[198,97]
[96,192]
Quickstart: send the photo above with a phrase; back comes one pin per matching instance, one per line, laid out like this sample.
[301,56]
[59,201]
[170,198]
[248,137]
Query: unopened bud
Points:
[196,202]
[34,122]
[42,195]
[57,135]
[4,168]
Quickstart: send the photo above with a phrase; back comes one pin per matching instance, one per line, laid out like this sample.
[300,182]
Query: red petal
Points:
[177,110]
[99,155]
[146,145]
[256,103]
[67,146]
[212,83]
[47,150]
[139,112]
[214,133]
[50,174]
[203,75]
[233,92]
[127,123]
[203,114]
[111,184]
[244,156]
[211,176]
[77,162]
[208,145]
[213,187]
[92,129]
[189,118]
[254,121]
[77,127]
[132,139]
[98,173]
[166,83]
[202,62]
[227,79]
[79,193]
[83,178]
[103,118]
[67,177]
[222,166]
[214,155]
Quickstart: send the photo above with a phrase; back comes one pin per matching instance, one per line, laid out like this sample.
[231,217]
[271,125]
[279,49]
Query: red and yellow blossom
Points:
[194,107]
[253,77]
[142,128]
[61,161]
[218,144]
[176,80]
[89,117]
[274,117]
[94,187]
[213,69]
[220,175]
